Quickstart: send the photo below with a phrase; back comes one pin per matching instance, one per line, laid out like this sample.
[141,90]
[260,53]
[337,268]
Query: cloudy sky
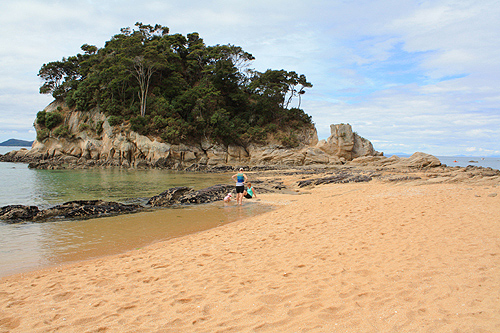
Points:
[408,75]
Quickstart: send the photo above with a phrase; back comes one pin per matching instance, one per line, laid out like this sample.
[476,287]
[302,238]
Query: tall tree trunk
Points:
[143,73]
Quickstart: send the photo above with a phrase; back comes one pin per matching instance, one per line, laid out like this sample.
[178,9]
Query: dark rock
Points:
[403,178]
[168,197]
[185,195]
[16,213]
[335,179]
[206,195]
[86,208]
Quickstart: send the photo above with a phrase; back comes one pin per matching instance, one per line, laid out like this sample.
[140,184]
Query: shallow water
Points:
[22,186]
[30,246]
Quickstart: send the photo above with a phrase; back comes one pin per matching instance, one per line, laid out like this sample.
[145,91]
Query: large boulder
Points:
[346,144]
[418,160]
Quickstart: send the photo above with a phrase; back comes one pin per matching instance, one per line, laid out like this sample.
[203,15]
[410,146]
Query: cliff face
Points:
[118,147]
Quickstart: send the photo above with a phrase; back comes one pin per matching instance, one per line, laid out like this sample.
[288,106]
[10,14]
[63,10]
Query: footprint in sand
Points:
[62,296]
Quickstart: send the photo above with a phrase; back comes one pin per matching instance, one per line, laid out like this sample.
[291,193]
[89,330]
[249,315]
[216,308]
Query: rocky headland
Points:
[118,146]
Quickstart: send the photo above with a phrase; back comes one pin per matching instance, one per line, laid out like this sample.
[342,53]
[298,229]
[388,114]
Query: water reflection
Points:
[20,185]
[115,185]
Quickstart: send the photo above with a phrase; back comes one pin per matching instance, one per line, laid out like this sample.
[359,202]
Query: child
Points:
[227,198]
[250,192]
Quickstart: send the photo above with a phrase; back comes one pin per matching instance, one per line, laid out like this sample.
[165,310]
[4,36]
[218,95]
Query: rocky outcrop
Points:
[346,144]
[168,197]
[341,178]
[86,208]
[186,195]
[73,209]
[417,160]
[18,212]
[117,146]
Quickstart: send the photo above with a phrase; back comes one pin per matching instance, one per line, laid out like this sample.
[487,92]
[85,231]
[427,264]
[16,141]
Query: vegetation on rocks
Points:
[177,88]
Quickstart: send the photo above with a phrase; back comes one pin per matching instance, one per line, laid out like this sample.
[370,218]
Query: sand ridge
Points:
[365,257]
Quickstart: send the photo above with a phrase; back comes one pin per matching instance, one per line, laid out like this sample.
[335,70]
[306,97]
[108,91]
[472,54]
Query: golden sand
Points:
[365,257]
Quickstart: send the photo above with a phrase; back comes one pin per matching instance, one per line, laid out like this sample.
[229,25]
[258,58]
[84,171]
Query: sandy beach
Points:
[411,256]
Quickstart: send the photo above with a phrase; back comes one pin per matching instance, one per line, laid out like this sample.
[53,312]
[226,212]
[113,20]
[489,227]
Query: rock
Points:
[15,213]
[86,208]
[346,144]
[185,195]
[492,195]
[365,160]
[342,177]
[237,154]
[418,160]
[315,156]
[168,197]
[206,195]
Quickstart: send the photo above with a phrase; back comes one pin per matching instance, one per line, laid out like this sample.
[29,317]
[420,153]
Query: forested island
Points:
[177,88]
[151,99]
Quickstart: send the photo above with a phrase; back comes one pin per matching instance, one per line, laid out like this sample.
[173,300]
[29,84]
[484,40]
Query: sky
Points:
[408,75]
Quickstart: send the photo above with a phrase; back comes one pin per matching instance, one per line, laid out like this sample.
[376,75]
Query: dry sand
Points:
[366,257]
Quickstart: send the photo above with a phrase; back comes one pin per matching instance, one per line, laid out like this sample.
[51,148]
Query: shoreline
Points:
[100,238]
[416,255]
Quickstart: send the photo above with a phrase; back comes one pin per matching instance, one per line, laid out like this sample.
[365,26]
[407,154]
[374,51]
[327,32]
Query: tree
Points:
[176,87]
[143,70]
[279,85]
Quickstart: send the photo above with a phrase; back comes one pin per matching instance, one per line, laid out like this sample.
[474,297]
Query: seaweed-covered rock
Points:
[14,213]
[336,179]
[169,197]
[86,208]
[186,195]
[206,195]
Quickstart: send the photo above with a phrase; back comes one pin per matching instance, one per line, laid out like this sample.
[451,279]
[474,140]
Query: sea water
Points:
[28,246]
[463,161]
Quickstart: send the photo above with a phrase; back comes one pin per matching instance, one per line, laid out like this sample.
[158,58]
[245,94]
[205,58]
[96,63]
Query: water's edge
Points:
[60,243]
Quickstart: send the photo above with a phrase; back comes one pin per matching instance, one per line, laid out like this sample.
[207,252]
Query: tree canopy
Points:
[178,88]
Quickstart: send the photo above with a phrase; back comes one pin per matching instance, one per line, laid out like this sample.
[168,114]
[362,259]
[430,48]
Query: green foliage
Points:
[176,87]
[61,131]
[48,120]
[138,124]
[40,118]
[98,127]
[52,119]
[289,140]
[84,127]
[115,120]
[176,131]
[42,134]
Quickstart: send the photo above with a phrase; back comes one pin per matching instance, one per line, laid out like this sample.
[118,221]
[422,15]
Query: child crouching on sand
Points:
[227,198]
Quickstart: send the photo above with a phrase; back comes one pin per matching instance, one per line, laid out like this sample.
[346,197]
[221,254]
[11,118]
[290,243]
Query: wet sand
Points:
[365,257]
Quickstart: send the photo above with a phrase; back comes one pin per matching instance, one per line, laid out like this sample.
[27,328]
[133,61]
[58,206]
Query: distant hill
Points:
[16,143]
